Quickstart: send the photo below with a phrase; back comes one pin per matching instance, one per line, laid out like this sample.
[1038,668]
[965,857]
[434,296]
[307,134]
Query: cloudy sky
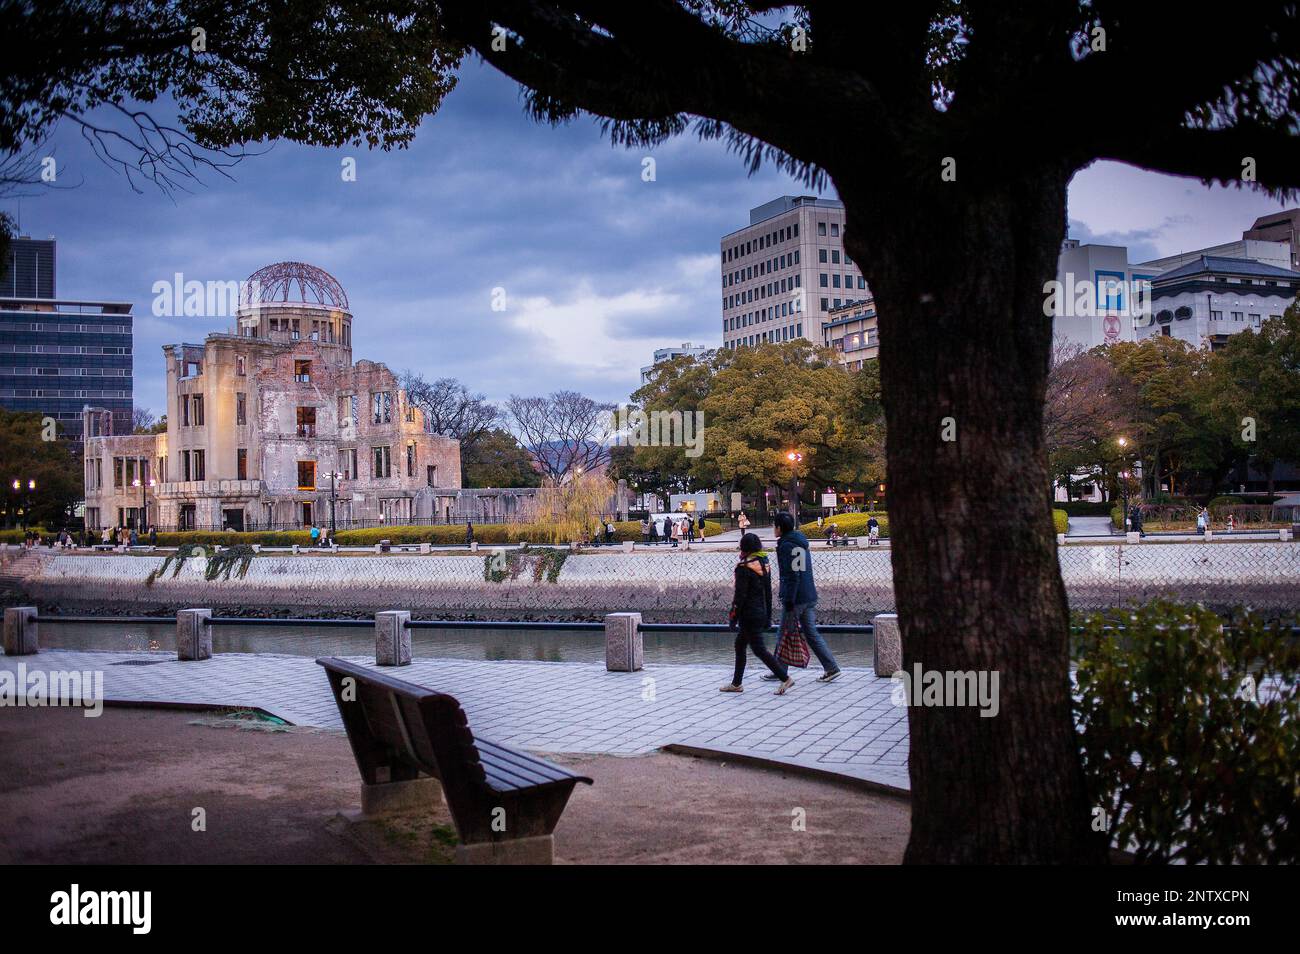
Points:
[599,266]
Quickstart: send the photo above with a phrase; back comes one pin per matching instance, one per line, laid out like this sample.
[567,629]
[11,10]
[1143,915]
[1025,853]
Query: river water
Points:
[667,648]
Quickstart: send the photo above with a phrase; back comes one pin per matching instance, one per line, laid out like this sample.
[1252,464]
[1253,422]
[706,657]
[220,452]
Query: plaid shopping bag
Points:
[791,648]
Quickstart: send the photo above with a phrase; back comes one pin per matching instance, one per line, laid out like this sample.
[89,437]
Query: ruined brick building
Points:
[258,420]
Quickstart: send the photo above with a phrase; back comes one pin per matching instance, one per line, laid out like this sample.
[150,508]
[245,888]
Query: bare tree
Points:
[450,408]
[142,421]
[564,432]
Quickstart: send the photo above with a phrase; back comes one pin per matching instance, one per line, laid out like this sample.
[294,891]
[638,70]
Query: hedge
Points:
[1084,508]
[439,535]
[849,524]
[20,536]
[1062,521]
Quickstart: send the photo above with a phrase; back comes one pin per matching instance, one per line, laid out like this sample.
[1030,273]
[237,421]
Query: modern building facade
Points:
[1206,301]
[1097,295]
[259,420]
[1281,227]
[850,331]
[1277,254]
[784,272]
[667,354]
[58,355]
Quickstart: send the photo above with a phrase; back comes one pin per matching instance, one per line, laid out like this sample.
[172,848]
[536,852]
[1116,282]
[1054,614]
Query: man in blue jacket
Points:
[798,592]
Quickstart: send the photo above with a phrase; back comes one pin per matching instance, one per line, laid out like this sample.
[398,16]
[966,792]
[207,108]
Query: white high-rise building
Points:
[783,272]
[667,354]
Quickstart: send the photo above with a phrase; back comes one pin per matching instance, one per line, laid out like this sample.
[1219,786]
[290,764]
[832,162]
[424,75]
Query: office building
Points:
[57,354]
[784,272]
[850,331]
[1281,227]
[1277,254]
[667,354]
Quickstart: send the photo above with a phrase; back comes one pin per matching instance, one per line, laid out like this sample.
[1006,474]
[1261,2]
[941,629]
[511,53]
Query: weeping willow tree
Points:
[567,511]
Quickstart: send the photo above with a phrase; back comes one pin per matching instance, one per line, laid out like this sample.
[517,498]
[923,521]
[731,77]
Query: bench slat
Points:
[495,754]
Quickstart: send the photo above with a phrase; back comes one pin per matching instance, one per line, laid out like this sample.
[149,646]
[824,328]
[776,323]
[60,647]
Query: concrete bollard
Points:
[1209,534]
[378,548]
[628,546]
[193,634]
[473,546]
[424,548]
[1132,536]
[257,548]
[21,635]
[1060,539]
[295,549]
[889,644]
[1284,535]
[392,638]
[623,647]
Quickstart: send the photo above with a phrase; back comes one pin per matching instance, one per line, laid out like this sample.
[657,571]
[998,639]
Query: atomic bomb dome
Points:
[294,283]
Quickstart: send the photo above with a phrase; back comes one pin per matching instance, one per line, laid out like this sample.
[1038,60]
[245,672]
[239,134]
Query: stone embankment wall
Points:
[665,586]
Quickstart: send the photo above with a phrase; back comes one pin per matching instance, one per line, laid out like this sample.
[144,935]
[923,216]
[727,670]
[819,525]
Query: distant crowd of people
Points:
[671,531]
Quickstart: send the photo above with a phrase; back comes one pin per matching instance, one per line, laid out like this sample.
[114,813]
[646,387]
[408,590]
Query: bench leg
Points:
[537,850]
[395,798]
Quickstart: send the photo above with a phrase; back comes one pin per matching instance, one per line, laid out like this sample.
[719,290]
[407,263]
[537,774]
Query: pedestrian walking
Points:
[873,531]
[645,531]
[153,535]
[1135,520]
[743,522]
[674,531]
[469,533]
[1202,520]
[799,593]
[690,530]
[751,615]
[669,535]
[654,532]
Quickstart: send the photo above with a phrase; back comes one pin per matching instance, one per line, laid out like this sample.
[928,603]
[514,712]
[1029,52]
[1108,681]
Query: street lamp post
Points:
[1124,475]
[333,475]
[144,502]
[27,500]
[794,457]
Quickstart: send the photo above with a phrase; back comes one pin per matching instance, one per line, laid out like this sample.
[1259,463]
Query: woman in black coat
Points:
[751,614]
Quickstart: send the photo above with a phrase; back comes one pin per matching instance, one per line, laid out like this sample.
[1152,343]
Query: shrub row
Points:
[849,524]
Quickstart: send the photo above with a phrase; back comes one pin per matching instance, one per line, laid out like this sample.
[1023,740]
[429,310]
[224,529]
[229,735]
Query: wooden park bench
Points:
[504,802]
[844,542]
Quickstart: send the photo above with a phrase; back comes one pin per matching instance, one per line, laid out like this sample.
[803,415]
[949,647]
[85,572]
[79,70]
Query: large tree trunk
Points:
[958,281]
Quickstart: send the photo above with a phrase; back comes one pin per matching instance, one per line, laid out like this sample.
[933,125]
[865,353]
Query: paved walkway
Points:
[849,726]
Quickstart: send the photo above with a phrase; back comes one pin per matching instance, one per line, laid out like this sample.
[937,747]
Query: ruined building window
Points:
[241,408]
[294,327]
[241,365]
[431,475]
[348,463]
[185,465]
[117,471]
[354,410]
[381,406]
[162,469]
[185,410]
[241,464]
[306,475]
[343,410]
[306,422]
[198,466]
[410,460]
[302,371]
[382,463]
[198,410]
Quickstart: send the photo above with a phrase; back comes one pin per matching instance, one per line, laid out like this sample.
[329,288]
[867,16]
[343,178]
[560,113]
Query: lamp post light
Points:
[26,498]
[794,457]
[333,475]
[144,501]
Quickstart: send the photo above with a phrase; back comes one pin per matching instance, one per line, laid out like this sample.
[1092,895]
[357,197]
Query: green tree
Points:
[1253,393]
[956,210]
[497,460]
[1159,384]
[25,456]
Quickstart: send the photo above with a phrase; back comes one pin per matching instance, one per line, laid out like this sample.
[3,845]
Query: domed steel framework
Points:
[294,282]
